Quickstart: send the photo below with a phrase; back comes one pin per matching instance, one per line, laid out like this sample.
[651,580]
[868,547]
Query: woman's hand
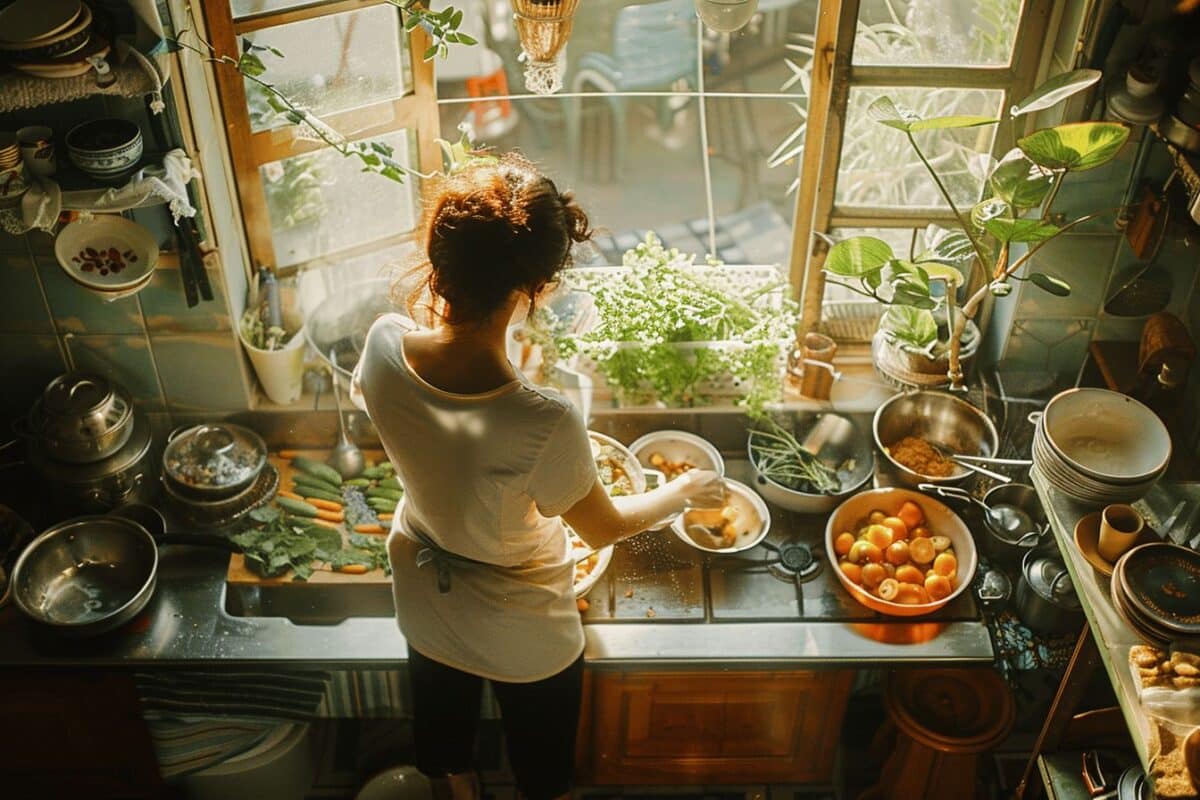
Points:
[700,488]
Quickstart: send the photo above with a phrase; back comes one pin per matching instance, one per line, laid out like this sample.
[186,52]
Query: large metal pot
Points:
[938,418]
[126,476]
[1046,599]
[81,418]
[211,462]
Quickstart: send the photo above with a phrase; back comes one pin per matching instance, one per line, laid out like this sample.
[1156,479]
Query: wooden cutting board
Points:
[239,573]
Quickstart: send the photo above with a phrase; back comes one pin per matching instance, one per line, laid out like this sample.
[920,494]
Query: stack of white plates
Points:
[49,38]
[1100,447]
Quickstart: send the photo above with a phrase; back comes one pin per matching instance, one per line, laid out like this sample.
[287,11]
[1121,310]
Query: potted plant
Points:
[662,330]
[926,324]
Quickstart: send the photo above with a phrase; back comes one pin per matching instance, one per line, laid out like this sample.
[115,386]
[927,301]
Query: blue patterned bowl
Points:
[105,148]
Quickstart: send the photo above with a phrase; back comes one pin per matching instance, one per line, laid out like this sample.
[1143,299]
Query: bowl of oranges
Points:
[899,552]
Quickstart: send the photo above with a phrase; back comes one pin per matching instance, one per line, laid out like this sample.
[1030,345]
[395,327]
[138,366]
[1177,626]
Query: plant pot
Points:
[906,369]
[280,372]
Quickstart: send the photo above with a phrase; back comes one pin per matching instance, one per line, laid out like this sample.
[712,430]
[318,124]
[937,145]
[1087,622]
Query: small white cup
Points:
[1120,526]
[280,372]
[37,150]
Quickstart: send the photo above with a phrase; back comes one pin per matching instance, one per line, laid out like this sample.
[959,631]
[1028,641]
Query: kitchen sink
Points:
[310,604]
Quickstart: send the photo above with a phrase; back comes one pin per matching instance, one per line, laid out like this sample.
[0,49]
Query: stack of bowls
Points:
[113,256]
[1100,447]
[49,38]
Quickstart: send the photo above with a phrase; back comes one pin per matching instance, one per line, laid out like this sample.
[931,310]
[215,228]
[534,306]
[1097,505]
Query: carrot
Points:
[333,526]
[328,505]
[369,529]
[288,455]
[354,569]
[384,517]
[330,516]
[292,495]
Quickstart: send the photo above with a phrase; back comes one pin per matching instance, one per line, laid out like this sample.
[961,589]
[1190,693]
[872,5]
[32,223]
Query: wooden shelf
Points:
[19,91]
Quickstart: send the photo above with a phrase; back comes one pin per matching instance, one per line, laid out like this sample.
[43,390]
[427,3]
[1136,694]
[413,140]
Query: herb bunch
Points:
[275,542]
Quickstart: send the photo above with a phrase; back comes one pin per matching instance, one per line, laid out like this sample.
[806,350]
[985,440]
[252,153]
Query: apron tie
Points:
[431,553]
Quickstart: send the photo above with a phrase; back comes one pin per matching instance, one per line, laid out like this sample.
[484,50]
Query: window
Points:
[352,65]
[938,57]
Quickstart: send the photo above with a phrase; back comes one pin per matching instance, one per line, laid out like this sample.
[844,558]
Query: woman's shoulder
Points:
[387,330]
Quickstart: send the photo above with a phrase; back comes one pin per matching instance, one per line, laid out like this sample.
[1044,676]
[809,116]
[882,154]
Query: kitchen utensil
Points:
[837,441]
[106,148]
[1012,515]
[80,418]
[37,150]
[1161,583]
[672,446]
[1120,525]
[1087,537]
[107,253]
[224,511]
[1046,599]
[940,520]
[817,383]
[346,457]
[213,461]
[995,589]
[1078,487]
[122,477]
[753,522]
[280,372]
[999,462]
[974,467]
[938,418]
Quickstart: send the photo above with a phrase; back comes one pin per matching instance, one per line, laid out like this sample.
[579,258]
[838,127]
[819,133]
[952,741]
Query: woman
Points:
[482,570]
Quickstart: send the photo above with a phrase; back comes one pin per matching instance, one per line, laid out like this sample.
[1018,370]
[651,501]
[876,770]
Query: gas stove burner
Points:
[796,561]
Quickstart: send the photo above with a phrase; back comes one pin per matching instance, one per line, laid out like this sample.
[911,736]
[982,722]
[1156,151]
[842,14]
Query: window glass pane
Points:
[330,64]
[249,8]
[321,202]
[755,57]
[922,33]
[879,168]
[633,163]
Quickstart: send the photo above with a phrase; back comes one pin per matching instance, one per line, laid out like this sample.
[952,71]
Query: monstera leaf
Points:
[1077,146]
[887,112]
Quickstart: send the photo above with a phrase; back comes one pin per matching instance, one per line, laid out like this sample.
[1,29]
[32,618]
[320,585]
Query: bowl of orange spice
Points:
[900,552]
[912,430]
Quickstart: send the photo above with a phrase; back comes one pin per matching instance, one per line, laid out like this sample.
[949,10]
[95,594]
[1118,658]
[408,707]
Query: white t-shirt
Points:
[486,477]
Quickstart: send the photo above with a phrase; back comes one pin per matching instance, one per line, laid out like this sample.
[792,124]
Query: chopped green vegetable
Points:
[387,494]
[298,507]
[317,469]
[304,479]
[276,542]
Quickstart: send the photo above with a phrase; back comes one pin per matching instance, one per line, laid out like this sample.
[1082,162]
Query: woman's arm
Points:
[601,520]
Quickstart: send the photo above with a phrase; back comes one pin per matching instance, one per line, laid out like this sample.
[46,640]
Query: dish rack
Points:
[765,282]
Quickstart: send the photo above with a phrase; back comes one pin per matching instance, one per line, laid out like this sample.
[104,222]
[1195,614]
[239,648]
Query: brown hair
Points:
[495,227]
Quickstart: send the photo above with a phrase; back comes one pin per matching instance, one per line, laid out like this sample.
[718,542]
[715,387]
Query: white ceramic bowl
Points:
[85,250]
[678,446]
[753,521]
[1107,436]
[940,520]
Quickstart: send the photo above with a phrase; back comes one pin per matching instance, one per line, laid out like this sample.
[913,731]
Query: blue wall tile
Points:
[124,359]
[165,308]
[1082,261]
[29,362]
[24,309]
[1057,346]
[200,372]
[80,310]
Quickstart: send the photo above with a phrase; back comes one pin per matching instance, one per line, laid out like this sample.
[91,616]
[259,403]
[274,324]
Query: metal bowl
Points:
[842,442]
[940,520]
[753,521]
[938,418]
[86,575]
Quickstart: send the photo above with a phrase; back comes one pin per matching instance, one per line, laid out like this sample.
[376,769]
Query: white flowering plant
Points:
[671,331]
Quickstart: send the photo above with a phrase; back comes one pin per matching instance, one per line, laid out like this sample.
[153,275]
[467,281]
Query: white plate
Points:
[134,244]
[26,20]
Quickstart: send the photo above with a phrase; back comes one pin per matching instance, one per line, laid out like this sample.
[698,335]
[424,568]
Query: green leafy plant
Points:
[667,327]
[1025,179]
[257,332]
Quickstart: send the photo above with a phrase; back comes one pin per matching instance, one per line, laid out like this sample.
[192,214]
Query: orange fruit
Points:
[879,535]
[888,589]
[940,543]
[851,571]
[946,564]
[911,513]
[864,551]
[876,517]
[898,528]
[897,553]
[909,574]
[873,574]
[938,587]
[843,543]
[921,550]
[911,594]
[919,532]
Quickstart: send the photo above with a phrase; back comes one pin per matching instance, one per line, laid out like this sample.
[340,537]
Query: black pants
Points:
[539,719]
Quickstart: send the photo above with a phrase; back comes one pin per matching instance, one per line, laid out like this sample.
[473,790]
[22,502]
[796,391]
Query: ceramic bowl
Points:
[13,184]
[107,253]
[63,42]
[1107,436]
[105,148]
[753,522]
[940,520]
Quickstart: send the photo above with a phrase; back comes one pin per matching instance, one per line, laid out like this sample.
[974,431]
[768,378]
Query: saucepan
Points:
[92,574]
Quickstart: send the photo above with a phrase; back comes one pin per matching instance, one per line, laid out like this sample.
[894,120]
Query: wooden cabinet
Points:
[712,727]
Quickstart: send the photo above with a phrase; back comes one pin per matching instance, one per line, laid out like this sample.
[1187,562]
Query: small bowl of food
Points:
[621,474]
[671,453]
[900,552]
[738,524]
[916,430]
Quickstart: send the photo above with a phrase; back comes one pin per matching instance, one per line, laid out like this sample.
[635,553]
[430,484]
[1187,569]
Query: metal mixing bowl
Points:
[840,444]
[938,418]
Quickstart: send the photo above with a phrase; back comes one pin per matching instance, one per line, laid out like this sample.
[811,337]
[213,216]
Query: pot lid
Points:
[1047,575]
[76,394]
[214,456]
[131,453]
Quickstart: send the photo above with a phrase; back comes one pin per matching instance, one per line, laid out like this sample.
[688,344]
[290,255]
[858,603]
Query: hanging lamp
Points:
[543,27]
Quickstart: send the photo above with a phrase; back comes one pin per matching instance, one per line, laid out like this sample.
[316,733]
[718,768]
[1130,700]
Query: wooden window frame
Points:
[416,111]
[834,73]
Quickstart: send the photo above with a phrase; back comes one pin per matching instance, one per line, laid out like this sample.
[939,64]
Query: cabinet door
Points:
[716,727]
